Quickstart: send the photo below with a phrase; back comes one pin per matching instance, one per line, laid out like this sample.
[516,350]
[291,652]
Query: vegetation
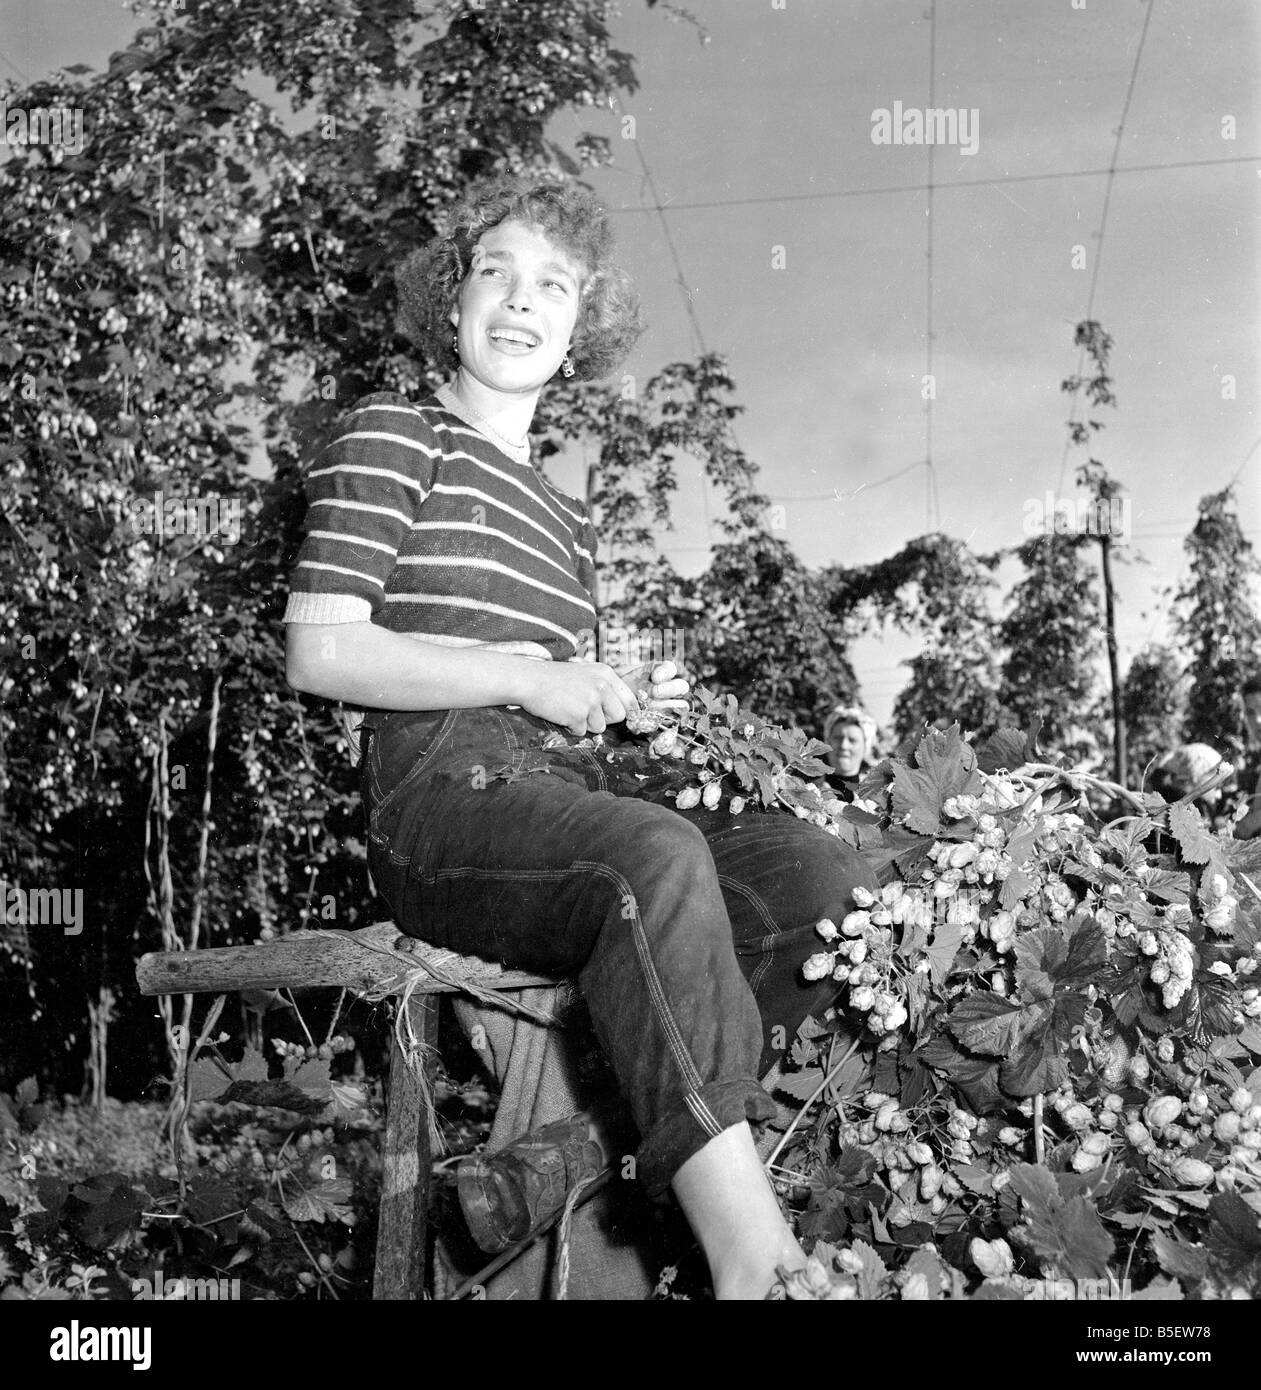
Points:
[1046,1063]
[190,302]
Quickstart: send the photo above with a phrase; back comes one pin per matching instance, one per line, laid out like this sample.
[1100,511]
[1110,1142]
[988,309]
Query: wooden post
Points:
[1119,754]
[402,1228]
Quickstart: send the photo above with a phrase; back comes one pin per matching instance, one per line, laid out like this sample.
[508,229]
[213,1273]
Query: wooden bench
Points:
[375,960]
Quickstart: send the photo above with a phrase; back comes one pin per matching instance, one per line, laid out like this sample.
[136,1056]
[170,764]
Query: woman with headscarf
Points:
[851,734]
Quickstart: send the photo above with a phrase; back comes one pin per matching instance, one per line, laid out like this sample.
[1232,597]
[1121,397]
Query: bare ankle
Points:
[753,1280]
[728,1199]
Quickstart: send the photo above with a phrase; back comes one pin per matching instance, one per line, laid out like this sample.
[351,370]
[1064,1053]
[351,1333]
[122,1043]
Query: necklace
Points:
[517,445]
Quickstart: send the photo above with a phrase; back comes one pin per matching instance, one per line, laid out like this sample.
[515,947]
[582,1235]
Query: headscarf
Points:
[853,714]
[1188,766]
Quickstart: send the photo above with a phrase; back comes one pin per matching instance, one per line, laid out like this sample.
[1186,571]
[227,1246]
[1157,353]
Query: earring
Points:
[566,366]
[455,343]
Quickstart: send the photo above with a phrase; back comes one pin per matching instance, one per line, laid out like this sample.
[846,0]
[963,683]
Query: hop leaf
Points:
[1188,829]
[1066,1235]
[348,1100]
[801,1085]
[873,1271]
[325,1201]
[945,767]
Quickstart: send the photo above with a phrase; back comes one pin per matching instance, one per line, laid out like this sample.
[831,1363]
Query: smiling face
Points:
[517,309]
[848,746]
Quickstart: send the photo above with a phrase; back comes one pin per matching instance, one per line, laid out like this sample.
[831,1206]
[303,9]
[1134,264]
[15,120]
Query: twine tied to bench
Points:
[460,974]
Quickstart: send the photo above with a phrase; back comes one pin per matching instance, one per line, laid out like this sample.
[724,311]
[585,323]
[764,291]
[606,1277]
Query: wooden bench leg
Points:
[401,1231]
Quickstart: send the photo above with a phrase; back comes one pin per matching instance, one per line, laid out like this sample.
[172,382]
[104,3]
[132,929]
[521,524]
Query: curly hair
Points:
[430,278]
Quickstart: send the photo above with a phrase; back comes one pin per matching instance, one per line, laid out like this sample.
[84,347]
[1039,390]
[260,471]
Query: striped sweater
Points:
[420,524]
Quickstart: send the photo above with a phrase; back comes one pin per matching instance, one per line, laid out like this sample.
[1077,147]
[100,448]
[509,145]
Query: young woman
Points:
[442,587]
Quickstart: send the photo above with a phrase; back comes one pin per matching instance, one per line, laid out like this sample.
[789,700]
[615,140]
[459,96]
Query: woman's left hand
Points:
[660,686]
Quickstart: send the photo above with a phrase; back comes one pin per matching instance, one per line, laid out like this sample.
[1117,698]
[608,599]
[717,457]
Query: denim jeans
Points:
[686,931]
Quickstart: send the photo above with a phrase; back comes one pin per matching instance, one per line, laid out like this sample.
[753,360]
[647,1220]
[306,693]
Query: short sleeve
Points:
[364,490]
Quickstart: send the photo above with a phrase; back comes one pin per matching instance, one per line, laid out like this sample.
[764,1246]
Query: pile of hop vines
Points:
[1055,982]
[1008,853]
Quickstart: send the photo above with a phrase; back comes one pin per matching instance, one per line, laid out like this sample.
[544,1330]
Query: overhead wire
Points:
[9,63]
[698,332]
[932,503]
[1103,227]
[932,500]
[837,496]
[1113,169]
[949,186]
[1247,458]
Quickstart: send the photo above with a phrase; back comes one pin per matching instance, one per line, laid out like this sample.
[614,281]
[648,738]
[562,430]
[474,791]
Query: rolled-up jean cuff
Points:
[668,1146]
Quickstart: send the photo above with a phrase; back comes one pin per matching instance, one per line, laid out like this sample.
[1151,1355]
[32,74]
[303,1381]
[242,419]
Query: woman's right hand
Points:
[584,697]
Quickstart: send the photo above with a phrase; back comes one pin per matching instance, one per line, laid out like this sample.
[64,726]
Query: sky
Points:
[801,246]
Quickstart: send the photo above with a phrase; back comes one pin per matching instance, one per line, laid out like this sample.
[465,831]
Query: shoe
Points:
[504,1195]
